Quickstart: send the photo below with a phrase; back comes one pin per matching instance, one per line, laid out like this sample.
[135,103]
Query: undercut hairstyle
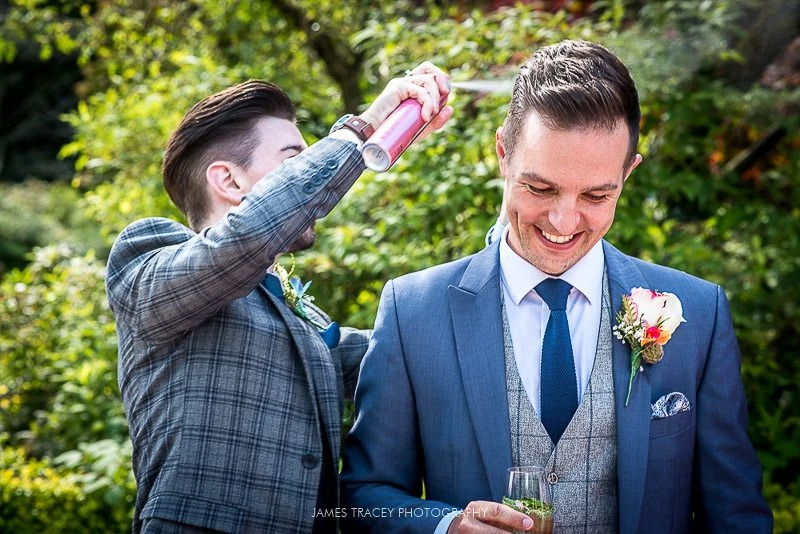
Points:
[219,127]
[574,85]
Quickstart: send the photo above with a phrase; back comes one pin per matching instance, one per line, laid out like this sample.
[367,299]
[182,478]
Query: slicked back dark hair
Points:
[574,85]
[219,127]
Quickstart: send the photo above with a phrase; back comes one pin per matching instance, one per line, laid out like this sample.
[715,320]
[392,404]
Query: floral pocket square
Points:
[670,404]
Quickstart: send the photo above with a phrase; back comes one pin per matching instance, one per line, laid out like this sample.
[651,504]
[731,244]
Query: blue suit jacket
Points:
[431,406]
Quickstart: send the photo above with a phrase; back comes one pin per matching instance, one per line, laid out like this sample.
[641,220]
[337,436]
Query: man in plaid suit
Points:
[235,402]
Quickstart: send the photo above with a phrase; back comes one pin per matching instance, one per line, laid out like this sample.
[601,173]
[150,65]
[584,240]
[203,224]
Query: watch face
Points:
[340,122]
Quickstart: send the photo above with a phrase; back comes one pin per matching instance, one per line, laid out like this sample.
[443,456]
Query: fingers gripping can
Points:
[395,135]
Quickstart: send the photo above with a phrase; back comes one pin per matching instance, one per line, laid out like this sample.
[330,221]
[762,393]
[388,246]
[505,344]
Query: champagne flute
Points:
[528,492]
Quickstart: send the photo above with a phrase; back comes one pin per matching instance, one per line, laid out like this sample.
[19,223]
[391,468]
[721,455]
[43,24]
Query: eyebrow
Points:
[530,175]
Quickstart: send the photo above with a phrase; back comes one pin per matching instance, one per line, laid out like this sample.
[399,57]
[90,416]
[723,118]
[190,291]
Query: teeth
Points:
[557,238]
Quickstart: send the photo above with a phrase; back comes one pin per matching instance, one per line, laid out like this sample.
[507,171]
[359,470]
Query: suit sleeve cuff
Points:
[346,135]
[444,524]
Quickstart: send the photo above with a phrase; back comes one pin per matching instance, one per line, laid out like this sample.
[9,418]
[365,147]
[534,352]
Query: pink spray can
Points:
[395,135]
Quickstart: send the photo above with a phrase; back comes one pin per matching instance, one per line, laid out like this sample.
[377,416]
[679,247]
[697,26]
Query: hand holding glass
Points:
[528,492]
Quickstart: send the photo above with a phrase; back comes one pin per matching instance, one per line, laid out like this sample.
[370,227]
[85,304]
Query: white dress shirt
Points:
[527,314]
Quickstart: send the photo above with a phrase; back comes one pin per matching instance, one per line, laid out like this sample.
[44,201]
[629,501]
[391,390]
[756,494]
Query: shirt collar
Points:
[520,277]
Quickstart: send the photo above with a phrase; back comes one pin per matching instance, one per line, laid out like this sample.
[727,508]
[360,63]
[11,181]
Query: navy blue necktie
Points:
[559,387]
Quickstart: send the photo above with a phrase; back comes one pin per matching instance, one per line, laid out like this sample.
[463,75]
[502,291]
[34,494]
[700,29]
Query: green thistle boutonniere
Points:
[295,293]
[646,322]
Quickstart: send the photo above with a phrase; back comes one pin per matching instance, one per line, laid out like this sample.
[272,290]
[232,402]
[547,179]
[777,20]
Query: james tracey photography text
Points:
[342,512]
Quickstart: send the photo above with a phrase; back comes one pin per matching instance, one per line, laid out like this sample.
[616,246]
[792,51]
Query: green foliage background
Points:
[65,456]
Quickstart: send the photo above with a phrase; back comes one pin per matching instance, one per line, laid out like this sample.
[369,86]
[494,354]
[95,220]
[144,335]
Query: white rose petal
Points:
[672,314]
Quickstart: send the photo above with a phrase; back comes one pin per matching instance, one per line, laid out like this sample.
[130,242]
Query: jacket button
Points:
[552,478]
[310,461]
[308,188]
[331,164]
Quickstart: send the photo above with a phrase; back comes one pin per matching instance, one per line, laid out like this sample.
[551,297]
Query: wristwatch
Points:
[354,123]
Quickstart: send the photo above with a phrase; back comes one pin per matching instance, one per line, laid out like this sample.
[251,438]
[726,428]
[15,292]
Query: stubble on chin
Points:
[540,259]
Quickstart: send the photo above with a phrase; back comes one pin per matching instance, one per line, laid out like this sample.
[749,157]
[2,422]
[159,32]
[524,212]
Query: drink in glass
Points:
[528,492]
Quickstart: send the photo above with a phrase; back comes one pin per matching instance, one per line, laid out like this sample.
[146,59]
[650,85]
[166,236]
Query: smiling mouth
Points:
[557,239]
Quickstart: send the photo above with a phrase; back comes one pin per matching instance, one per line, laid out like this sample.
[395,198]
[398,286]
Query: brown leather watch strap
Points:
[362,128]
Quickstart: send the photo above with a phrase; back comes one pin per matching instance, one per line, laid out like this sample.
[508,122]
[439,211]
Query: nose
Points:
[564,216]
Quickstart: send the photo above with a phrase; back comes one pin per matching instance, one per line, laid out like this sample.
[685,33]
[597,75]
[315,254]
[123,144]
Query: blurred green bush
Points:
[62,428]
[90,490]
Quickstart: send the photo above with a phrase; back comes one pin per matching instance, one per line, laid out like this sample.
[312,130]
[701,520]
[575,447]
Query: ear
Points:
[499,146]
[222,182]
[636,161]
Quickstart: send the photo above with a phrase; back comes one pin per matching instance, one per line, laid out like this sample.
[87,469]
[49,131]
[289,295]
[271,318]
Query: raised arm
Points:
[167,280]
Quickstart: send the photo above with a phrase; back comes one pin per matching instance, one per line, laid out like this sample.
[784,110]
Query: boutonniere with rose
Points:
[646,322]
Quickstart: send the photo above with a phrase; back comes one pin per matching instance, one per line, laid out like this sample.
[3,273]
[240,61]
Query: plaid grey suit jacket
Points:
[228,394]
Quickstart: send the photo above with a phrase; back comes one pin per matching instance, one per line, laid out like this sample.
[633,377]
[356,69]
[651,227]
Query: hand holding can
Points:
[408,109]
[396,134]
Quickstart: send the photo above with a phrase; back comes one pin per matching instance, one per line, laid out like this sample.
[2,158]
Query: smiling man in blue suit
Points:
[508,357]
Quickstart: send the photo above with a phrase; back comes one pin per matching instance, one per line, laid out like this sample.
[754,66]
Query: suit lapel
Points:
[633,420]
[322,385]
[475,309]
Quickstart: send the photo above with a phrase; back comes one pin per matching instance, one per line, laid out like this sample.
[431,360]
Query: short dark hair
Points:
[221,126]
[574,84]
